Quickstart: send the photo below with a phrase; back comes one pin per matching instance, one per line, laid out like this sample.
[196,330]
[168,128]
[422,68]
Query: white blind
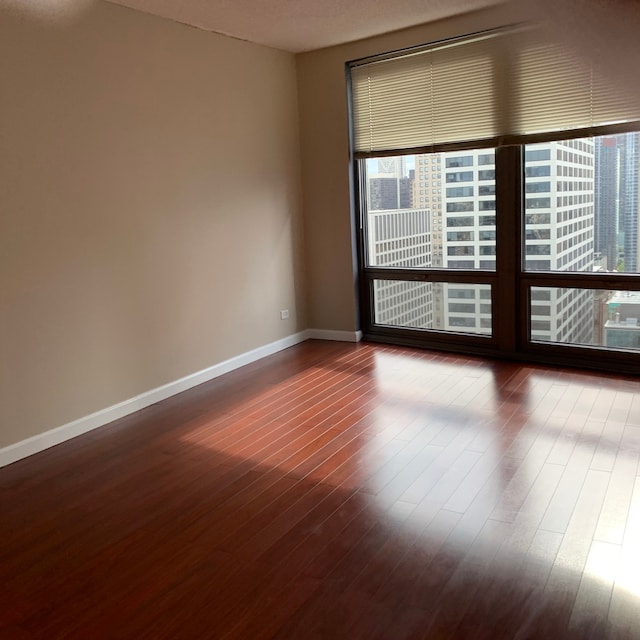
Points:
[502,87]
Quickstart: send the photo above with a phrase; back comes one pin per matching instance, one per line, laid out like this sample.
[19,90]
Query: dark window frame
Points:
[510,284]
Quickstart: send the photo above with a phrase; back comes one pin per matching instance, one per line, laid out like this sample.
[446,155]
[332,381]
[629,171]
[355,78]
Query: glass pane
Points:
[581,204]
[432,210]
[443,306]
[594,317]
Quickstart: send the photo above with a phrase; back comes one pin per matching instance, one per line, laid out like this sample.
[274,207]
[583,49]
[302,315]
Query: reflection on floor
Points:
[338,491]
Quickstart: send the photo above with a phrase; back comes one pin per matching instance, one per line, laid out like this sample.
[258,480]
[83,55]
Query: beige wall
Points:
[150,219]
[325,156]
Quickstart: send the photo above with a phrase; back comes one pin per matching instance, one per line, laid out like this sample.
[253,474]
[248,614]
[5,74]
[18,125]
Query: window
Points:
[538,234]
[459,236]
[459,206]
[456,321]
[537,171]
[467,221]
[537,187]
[465,161]
[537,154]
[538,249]
[539,265]
[538,203]
[546,251]
[460,176]
[462,293]
[459,192]
[460,251]
[537,218]
[459,307]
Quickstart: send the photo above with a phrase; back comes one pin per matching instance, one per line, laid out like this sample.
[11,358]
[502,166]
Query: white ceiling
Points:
[304,25]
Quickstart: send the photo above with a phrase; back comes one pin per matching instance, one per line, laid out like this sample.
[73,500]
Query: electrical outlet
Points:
[284,314]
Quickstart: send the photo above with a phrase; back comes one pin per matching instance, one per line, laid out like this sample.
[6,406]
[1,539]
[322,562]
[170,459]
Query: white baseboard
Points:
[339,336]
[48,439]
[42,441]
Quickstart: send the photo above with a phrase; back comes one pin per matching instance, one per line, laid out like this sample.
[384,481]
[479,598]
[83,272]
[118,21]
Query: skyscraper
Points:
[607,185]
[391,186]
[398,235]
[558,227]
[401,238]
[455,195]
[629,175]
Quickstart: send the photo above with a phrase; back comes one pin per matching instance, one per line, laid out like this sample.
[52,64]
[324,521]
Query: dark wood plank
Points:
[338,491]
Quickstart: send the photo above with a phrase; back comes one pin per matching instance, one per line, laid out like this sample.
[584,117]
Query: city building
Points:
[621,330]
[427,192]
[558,227]
[607,187]
[459,189]
[629,202]
[391,187]
[398,236]
[617,163]
[401,238]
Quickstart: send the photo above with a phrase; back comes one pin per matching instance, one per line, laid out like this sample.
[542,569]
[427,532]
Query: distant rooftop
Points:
[630,324]
[625,297]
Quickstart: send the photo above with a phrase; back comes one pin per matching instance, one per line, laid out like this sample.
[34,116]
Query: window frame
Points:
[510,283]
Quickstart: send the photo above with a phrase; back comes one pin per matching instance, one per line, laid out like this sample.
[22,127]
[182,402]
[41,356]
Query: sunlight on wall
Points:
[50,11]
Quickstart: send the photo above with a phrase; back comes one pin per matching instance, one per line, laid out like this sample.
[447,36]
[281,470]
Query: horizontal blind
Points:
[392,104]
[417,100]
[556,90]
[501,87]
[463,93]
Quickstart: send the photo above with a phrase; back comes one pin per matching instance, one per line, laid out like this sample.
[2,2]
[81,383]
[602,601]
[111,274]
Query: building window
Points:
[459,192]
[460,176]
[456,161]
[459,206]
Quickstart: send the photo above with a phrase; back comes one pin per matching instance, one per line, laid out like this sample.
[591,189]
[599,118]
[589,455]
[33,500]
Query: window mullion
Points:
[508,251]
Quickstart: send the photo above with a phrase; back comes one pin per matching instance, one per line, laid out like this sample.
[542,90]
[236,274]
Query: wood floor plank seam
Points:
[338,490]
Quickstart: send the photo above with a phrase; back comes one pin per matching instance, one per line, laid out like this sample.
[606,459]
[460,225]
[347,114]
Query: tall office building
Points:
[582,208]
[607,187]
[427,192]
[622,330]
[469,236]
[401,238]
[395,166]
[383,193]
[559,230]
[398,235]
[390,193]
[629,202]
[391,186]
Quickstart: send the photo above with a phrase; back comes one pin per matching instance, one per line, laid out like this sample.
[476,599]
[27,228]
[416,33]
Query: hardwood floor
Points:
[338,491]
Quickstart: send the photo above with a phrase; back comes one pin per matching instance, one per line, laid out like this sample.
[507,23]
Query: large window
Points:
[497,220]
